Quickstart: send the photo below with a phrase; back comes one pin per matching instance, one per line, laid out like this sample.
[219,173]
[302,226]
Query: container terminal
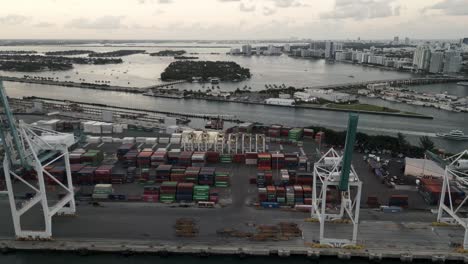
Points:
[112,181]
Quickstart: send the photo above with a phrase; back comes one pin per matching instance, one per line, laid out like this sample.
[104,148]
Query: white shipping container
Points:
[117,128]
[151,141]
[250,161]
[140,139]
[107,139]
[127,140]
[164,140]
[107,128]
[96,128]
[93,140]
[175,140]
[88,126]
[117,140]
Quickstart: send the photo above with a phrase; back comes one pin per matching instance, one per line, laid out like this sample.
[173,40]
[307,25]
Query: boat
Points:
[454,135]
[214,81]
[462,83]
[216,124]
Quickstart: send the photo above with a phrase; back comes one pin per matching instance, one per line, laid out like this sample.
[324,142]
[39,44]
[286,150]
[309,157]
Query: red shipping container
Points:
[103,174]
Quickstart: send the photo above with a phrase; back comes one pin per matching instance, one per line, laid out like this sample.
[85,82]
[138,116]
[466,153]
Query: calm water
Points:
[143,70]
[59,258]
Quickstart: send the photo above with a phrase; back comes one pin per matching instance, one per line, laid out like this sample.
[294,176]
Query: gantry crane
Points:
[334,172]
[455,174]
[28,150]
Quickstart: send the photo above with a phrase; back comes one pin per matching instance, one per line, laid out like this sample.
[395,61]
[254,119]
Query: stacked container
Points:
[185,158]
[277,161]
[122,150]
[185,192]
[320,137]
[298,194]
[239,158]
[178,174]
[118,177]
[292,176]
[75,156]
[226,158]
[304,178]
[159,157]
[264,178]
[251,158]
[131,174]
[59,173]
[92,157]
[281,195]
[284,175]
[201,193]
[308,133]
[168,192]
[206,176]
[264,161]
[302,166]
[290,195]
[295,134]
[212,157]
[74,169]
[173,156]
[151,194]
[307,194]
[191,174]
[274,131]
[291,160]
[144,175]
[262,194]
[199,159]
[86,175]
[131,158]
[103,174]
[285,131]
[271,193]
[222,178]
[102,191]
[144,158]
[163,173]
[214,195]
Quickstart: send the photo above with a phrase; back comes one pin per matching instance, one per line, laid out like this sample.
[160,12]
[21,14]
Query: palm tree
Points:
[426,143]
[402,143]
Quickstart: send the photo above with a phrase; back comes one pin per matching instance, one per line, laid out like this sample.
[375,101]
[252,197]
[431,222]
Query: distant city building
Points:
[396,39]
[453,62]
[329,95]
[235,51]
[287,47]
[247,50]
[407,41]
[272,50]
[331,48]
[437,62]
[422,57]
[465,41]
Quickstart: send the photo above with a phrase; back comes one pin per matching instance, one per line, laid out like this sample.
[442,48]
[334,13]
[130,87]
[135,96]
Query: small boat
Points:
[462,83]
[454,135]
[351,76]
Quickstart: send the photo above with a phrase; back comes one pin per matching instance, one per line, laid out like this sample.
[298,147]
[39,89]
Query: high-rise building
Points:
[422,57]
[338,46]
[396,39]
[329,50]
[287,48]
[465,41]
[453,62]
[247,49]
[437,62]
[407,41]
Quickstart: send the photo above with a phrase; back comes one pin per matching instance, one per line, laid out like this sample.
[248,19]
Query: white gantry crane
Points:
[28,150]
[334,172]
[455,174]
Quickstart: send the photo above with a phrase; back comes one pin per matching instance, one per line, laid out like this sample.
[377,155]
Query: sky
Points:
[233,19]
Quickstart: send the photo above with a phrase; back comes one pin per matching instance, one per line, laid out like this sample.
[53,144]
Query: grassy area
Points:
[363,107]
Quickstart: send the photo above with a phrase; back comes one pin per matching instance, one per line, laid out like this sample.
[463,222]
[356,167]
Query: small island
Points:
[185,58]
[16,52]
[205,71]
[68,52]
[116,53]
[34,63]
[168,53]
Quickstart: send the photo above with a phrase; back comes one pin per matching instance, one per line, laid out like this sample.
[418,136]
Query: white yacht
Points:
[454,135]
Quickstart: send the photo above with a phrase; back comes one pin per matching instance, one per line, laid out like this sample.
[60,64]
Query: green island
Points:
[187,70]
[15,52]
[116,53]
[34,63]
[362,107]
[68,52]
[167,53]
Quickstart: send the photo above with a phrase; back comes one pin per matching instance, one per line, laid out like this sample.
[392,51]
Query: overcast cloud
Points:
[233,19]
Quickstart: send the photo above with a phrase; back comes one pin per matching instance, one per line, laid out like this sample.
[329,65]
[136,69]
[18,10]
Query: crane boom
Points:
[348,151]
[9,134]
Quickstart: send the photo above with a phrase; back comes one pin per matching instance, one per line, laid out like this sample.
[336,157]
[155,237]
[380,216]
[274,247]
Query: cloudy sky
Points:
[233,19]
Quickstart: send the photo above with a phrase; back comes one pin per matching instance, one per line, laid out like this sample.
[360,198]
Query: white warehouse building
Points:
[331,95]
[280,101]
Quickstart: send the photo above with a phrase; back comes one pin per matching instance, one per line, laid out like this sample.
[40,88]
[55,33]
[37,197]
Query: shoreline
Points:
[87,247]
